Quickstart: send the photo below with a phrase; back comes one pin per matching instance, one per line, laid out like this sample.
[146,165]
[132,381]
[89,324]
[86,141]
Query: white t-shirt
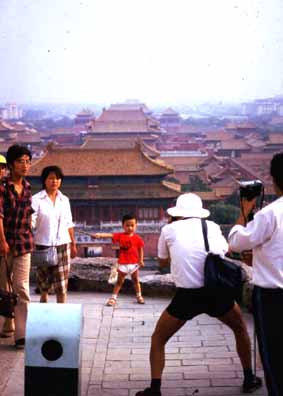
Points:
[264,235]
[183,242]
[46,216]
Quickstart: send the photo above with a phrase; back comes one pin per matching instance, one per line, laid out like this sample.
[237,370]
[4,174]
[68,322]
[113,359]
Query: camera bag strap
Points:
[204,233]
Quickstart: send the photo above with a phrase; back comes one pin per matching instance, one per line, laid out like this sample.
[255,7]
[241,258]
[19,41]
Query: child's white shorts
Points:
[128,268]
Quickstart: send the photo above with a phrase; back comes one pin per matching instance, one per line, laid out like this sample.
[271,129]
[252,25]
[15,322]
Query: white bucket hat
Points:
[188,205]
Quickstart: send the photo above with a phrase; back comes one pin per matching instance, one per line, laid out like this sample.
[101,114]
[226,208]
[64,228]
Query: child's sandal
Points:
[111,302]
[140,299]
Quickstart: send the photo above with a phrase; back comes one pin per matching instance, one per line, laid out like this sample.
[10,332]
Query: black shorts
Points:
[188,303]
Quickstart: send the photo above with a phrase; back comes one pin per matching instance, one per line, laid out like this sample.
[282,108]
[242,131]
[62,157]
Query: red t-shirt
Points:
[129,247]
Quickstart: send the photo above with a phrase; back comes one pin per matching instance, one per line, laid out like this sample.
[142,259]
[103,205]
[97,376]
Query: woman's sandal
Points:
[140,299]
[111,302]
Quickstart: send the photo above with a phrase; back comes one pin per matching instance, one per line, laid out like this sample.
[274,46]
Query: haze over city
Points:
[160,52]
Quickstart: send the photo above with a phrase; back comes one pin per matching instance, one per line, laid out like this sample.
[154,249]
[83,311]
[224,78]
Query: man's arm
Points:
[4,247]
[164,262]
[163,252]
[254,234]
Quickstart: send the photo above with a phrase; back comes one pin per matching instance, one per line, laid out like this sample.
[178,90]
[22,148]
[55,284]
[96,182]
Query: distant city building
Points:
[260,107]
[11,111]
[3,113]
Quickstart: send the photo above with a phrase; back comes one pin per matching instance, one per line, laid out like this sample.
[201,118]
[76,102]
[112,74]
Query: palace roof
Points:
[83,161]
[112,192]
[125,120]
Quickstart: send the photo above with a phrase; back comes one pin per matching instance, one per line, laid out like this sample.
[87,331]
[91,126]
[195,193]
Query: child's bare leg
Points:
[137,286]
[119,284]
[117,287]
[44,296]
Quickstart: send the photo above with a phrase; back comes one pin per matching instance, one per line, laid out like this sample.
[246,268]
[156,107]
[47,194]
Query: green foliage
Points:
[172,179]
[233,199]
[223,213]
[195,184]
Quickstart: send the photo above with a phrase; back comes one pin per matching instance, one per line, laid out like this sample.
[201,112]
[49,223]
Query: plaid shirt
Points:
[16,212]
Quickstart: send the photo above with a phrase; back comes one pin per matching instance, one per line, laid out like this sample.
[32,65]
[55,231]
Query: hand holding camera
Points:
[251,192]
[251,198]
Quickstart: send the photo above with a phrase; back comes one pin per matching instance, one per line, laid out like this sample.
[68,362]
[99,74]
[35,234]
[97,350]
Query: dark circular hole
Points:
[52,350]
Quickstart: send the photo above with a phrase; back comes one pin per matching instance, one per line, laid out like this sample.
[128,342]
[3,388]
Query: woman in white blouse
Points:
[52,221]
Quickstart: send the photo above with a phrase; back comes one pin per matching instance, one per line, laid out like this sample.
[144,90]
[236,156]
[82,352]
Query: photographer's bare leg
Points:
[166,327]
[235,321]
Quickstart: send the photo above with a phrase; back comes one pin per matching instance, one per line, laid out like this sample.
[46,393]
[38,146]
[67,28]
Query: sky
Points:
[157,51]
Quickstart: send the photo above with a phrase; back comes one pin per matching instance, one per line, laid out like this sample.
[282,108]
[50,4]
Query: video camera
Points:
[250,189]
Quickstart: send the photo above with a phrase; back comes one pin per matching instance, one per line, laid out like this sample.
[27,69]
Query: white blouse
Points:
[264,235]
[51,221]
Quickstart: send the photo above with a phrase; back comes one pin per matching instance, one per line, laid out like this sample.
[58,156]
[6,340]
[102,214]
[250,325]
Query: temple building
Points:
[170,120]
[126,121]
[103,183]
[84,117]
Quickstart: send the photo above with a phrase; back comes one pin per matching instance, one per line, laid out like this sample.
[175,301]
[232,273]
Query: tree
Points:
[195,184]
[223,213]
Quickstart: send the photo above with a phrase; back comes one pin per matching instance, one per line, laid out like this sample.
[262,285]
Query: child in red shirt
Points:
[130,256]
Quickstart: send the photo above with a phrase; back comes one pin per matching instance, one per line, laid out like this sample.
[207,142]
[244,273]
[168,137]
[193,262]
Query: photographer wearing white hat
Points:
[181,244]
[264,235]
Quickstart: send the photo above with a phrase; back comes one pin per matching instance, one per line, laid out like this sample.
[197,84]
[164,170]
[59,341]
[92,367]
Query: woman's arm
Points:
[73,245]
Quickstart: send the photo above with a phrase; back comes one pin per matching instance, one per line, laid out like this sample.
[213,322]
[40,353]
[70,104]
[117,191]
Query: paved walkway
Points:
[116,345]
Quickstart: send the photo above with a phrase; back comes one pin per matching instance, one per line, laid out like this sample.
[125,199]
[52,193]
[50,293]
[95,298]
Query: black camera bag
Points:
[221,273]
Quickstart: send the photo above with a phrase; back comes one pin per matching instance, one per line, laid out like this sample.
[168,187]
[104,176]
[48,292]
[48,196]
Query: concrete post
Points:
[52,350]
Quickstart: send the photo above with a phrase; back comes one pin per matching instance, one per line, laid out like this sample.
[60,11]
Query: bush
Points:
[223,213]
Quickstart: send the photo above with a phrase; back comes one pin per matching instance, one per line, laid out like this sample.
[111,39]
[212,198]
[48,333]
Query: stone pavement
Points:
[115,352]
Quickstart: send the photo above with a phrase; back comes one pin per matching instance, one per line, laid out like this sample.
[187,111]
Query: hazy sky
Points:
[157,51]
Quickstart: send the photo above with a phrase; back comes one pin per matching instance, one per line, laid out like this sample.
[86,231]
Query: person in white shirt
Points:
[181,244]
[53,226]
[264,235]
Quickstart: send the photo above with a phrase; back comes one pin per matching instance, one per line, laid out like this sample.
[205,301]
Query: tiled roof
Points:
[256,166]
[132,120]
[243,125]
[169,111]
[276,121]
[275,138]
[114,143]
[129,191]
[4,125]
[234,144]
[26,138]
[207,195]
[219,135]
[228,181]
[184,163]
[101,162]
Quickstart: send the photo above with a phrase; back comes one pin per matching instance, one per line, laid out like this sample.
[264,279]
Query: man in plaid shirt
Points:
[16,240]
